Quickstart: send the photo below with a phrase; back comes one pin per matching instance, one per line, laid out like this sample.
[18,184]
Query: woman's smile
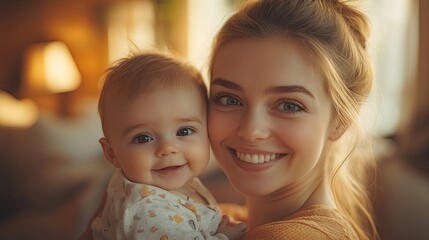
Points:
[255,160]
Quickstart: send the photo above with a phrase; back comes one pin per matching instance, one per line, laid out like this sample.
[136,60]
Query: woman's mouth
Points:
[256,158]
[255,161]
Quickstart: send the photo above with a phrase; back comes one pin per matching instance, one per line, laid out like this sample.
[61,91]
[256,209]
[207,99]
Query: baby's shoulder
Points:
[124,193]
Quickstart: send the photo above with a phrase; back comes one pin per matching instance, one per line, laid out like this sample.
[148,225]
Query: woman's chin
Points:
[249,189]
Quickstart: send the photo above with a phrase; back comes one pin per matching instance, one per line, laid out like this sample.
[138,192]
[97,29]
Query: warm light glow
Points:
[131,27]
[49,68]
[205,17]
[16,113]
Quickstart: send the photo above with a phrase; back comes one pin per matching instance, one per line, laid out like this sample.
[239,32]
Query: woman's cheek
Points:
[221,127]
[215,126]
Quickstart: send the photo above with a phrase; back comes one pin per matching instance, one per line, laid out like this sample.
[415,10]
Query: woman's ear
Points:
[109,154]
[337,129]
[337,132]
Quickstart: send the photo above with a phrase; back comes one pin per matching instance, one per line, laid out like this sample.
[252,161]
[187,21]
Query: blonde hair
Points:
[145,72]
[335,34]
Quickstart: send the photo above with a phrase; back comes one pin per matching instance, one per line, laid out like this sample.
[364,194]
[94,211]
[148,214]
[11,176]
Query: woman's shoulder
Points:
[313,222]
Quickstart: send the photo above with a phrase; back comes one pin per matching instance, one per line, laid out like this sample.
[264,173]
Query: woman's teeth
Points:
[256,158]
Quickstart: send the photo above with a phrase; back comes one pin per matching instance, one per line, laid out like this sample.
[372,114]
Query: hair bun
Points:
[357,22]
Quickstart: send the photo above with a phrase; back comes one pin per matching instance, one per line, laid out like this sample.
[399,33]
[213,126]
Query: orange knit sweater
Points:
[314,222]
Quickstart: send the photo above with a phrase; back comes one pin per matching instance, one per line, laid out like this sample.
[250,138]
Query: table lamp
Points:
[49,68]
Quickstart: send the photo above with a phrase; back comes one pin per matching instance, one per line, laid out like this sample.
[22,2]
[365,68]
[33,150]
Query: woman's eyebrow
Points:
[226,84]
[288,89]
[277,89]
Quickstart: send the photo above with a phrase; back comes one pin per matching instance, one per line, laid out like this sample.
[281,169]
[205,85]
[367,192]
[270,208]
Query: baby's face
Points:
[160,138]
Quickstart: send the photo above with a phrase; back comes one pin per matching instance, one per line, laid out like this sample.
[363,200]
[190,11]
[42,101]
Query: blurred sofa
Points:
[53,175]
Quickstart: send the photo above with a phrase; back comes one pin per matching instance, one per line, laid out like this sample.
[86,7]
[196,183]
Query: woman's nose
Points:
[254,126]
[166,147]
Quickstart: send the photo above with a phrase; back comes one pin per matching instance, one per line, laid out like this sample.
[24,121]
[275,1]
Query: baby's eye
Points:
[144,138]
[185,131]
[290,106]
[228,100]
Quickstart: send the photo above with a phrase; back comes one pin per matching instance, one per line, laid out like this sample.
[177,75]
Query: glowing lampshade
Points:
[17,113]
[49,68]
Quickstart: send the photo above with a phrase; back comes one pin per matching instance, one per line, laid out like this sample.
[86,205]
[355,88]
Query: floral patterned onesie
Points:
[140,211]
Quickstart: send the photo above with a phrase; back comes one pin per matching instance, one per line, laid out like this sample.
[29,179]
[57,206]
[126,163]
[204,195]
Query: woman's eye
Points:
[288,106]
[185,132]
[228,101]
[143,139]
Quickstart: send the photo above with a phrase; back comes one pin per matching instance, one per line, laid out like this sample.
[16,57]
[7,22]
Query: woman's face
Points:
[270,116]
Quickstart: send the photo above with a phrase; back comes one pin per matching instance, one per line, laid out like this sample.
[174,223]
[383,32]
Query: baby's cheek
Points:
[198,155]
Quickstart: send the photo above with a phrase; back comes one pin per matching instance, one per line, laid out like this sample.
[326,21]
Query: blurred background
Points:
[53,54]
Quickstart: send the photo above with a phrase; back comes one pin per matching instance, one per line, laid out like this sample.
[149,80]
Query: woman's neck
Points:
[286,202]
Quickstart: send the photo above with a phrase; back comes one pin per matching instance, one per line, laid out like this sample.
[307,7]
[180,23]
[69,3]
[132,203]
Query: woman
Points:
[287,81]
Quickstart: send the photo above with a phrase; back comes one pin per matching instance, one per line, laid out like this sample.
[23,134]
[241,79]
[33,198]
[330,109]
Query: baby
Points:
[153,110]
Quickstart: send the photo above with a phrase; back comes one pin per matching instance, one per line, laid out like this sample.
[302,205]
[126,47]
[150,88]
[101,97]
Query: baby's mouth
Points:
[258,158]
[170,170]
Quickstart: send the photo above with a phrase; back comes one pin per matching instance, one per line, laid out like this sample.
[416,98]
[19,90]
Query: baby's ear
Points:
[109,154]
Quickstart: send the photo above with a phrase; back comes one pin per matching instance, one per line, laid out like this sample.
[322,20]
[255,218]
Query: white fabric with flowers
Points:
[140,211]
